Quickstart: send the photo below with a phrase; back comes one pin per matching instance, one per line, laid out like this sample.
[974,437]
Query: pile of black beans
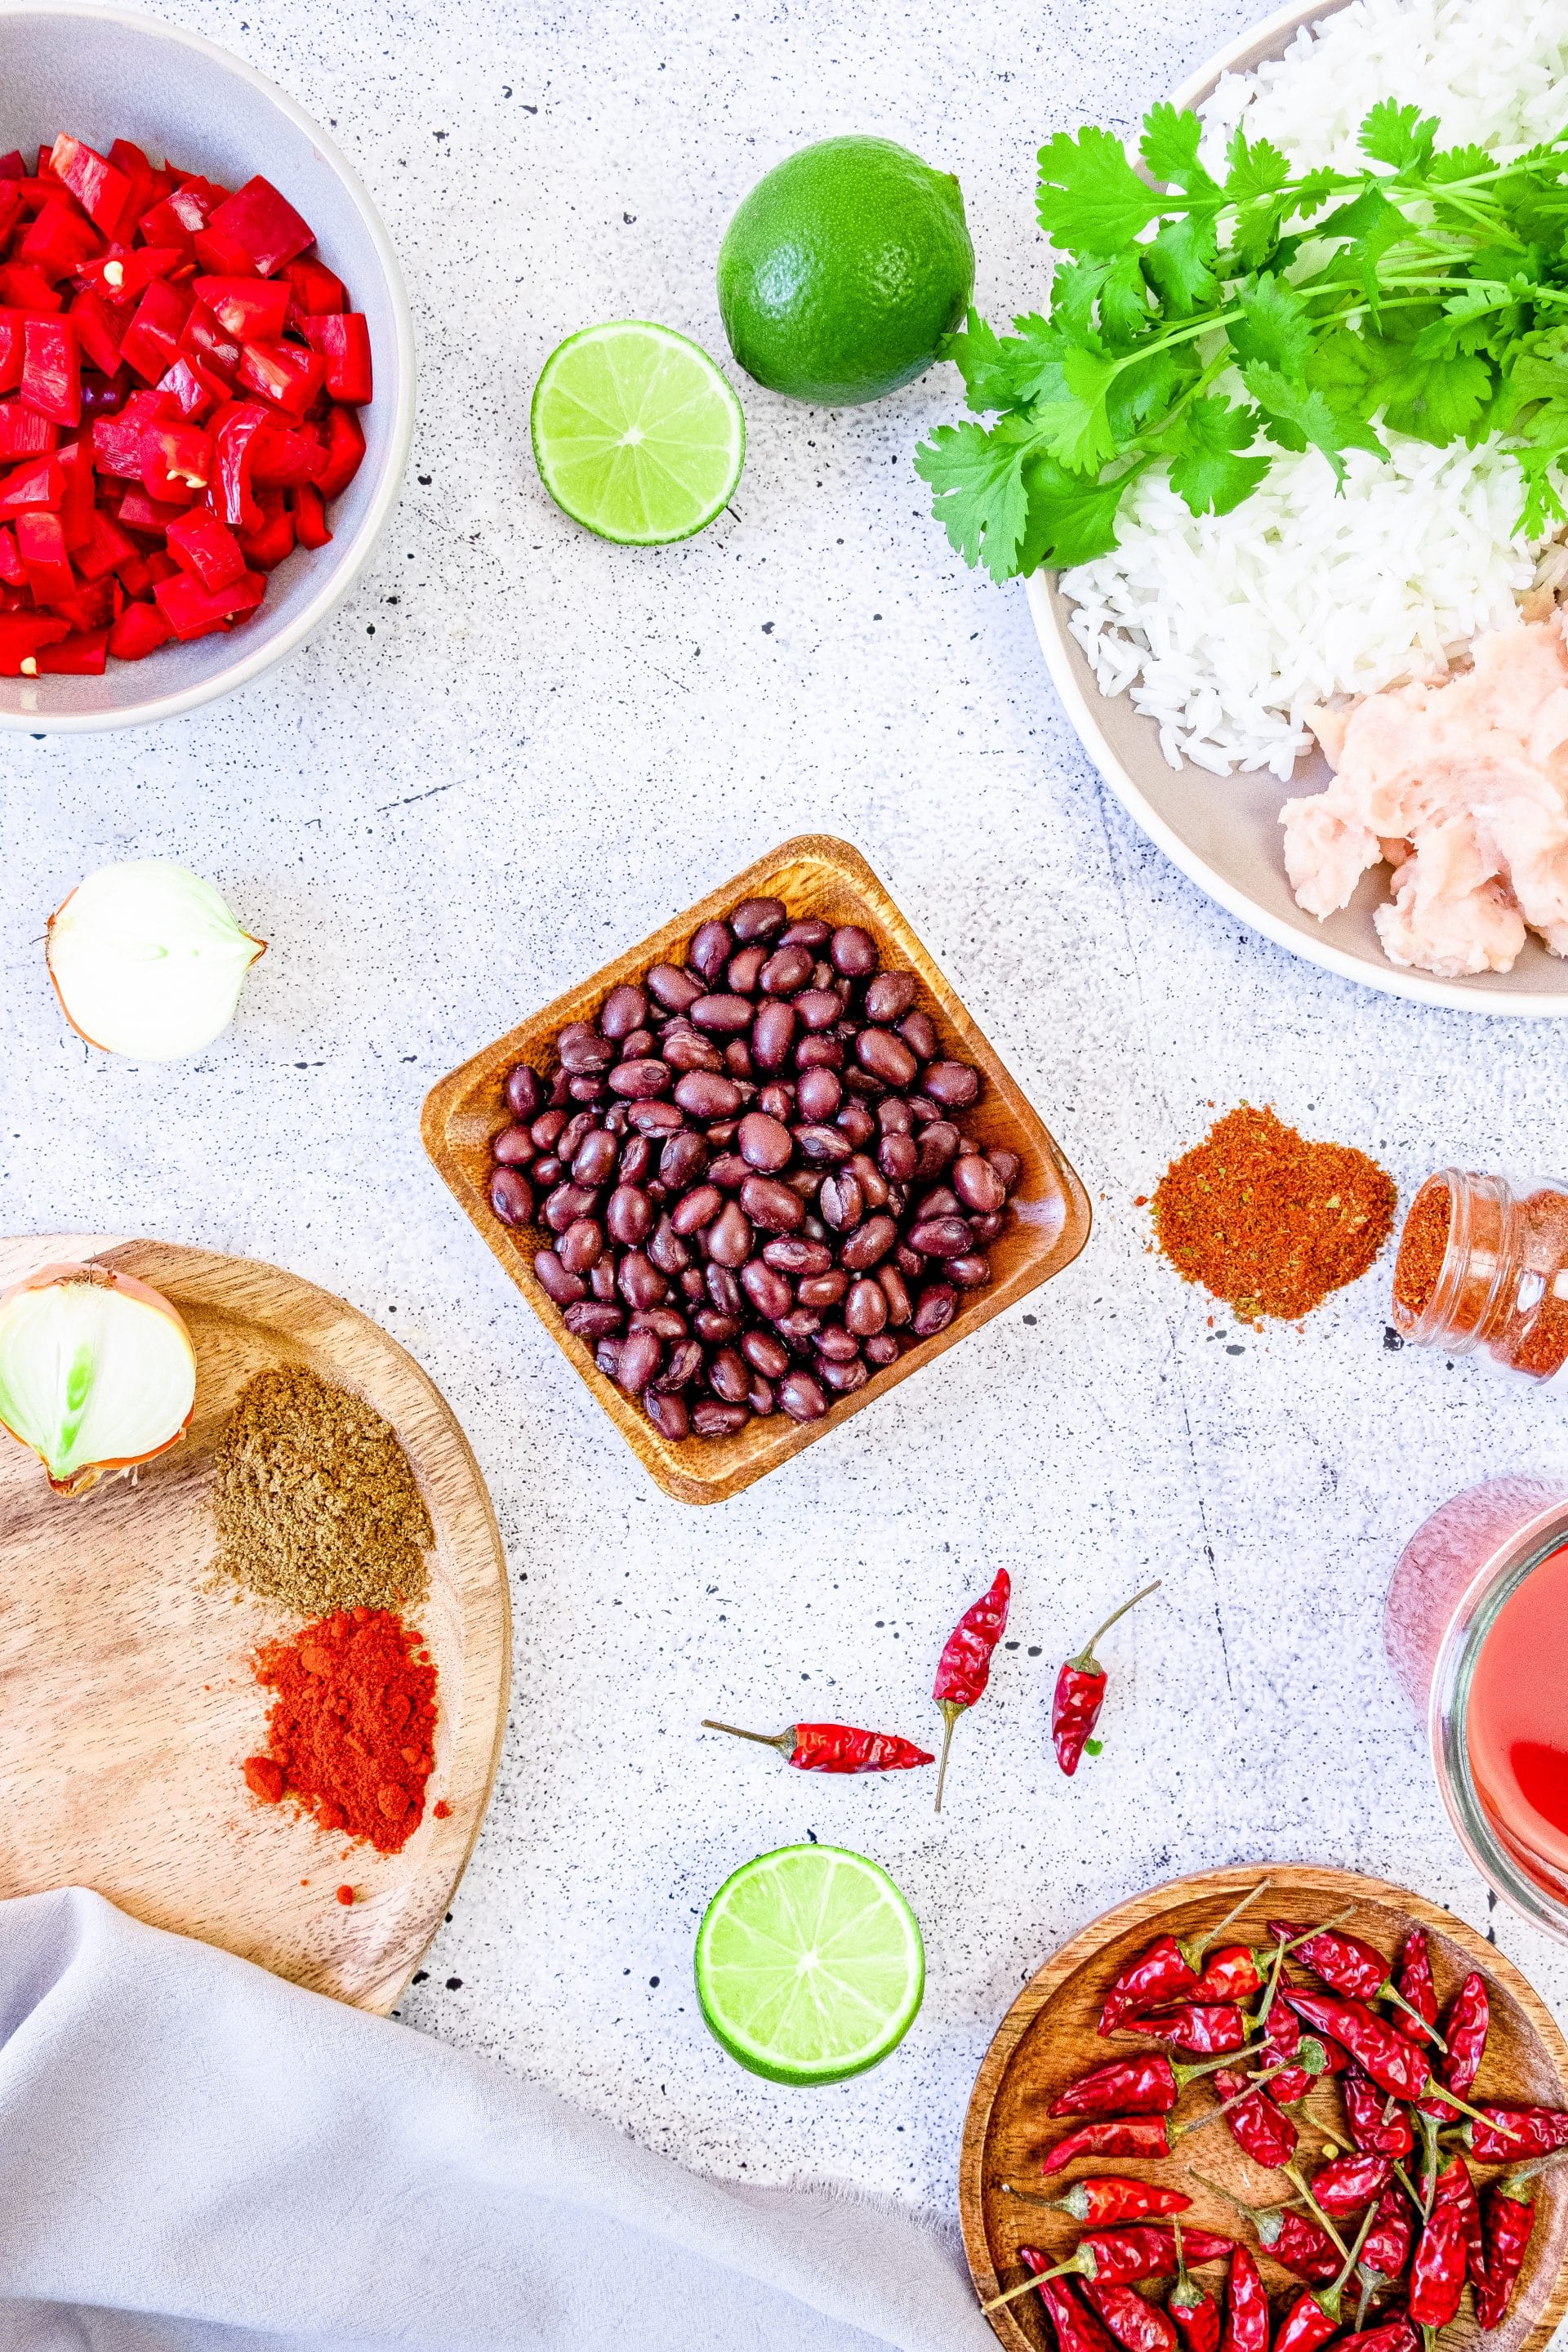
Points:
[754,1173]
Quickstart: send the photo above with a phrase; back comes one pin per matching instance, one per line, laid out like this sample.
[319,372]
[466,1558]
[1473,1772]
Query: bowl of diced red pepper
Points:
[206,372]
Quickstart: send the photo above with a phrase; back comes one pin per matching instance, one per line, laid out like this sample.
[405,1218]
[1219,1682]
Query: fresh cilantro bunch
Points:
[1427,292]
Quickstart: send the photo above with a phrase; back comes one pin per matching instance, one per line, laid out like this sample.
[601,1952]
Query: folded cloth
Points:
[195,2156]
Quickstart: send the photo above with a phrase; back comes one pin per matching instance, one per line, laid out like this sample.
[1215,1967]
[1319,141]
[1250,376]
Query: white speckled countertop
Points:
[515,750]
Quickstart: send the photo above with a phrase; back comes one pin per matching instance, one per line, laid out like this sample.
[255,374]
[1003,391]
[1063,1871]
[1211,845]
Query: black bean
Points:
[629,1215]
[918,1030]
[656,1118]
[581,1246]
[594,1163]
[934,1309]
[857,1122]
[684,1363]
[703,1094]
[854,951]
[639,1281]
[513,1148]
[866,1309]
[881,1349]
[938,1144]
[729,1237]
[770,1205]
[728,1376]
[822,1289]
[971,1272]
[710,1418]
[723,1288]
[793,1256]
[977,1184]
[819,1053]
[582,1049]
[952,1084]
[837,1345]
[867,1247]
[801,1396]
[824,1146]
[888,995]
[773,1034]
[564,1206]
[640,1082]
[808,931]
[885,1057]
[769,1292]
[818,1095]
[759,919]
[762,1350]
[898,1157]
[841,1202]
[686,1049]
[760,1396]
[710,1325]
[986,1228]
[588,1320]
[895,1290]
[698,1208]
[844,1378]
[764,1142]
[744,971]
[668,1414]
[785,971]
[1007,1164]
[642,1352]
[674,989]
[710,950]
[525,1092]
[680,1162]
[818,1007]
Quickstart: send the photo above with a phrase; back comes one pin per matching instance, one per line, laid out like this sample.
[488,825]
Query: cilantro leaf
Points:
[1070,521]
[1179,264]
[1072,421]
[1125,311]
[1543,505]
[983,360]
[1400,135]
[1090,199]
[1299,417]
[1274,328]
[1460,164]
[975,473]
[1170,151]
[1256,168]
[1207,470]
[1432,399]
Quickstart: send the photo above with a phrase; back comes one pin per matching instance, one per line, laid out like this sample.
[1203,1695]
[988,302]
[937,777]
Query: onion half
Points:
[147,960]
[97,1372]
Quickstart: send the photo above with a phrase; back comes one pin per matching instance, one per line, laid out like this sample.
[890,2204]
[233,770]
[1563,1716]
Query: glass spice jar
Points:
[1483,1263]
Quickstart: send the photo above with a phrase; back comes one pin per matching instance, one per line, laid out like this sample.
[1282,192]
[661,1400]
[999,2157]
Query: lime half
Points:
[809,1964]
[637,435]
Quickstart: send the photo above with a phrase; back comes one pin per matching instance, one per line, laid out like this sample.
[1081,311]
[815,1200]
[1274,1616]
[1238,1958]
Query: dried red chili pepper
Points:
[1453,2186]
[1121,2257]
[833,1747]
[965,1667]
[1232,1974]
[1315,2315]
[1109,2136]
[1350,2182]
[1394,2334]
[1136,2326]
[1080,1690]
[1214,2031]
[1245,2308]
[1108,2199]
[1465,2030]
[1499,2134]
[1255,2124]
[1282,2042]
[1123,2086]
[1346,1965]
[1387,2247]
[1509,2219]
[1167,1970]
[1393,2064]
[1437,2273]
[1297,2243]
[1378,2124]
[1076,2327]
[1195,2310]
[1416,1985]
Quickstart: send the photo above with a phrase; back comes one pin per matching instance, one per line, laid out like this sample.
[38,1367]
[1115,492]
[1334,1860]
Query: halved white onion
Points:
[97,1372]
[147,960]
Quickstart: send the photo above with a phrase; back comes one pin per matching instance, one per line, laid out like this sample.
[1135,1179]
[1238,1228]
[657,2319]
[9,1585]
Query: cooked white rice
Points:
[1226,630]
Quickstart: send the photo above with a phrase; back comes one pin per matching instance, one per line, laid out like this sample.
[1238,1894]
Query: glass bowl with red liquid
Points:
[1477,1633]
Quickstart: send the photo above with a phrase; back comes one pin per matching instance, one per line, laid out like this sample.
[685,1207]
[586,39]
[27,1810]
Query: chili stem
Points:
[1409,2007]
[1186,2074]
[951,1710]
[1012,2294]
[1367,2292]
[1275,1974]
[1084,1661]
[1342,2281]
[1404,2179]
[762,1738]
[1246,1902]
[1252,2090]
[1436,2090]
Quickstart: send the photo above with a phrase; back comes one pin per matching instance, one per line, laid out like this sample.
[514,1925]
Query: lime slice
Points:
[637,435]
[809,1964]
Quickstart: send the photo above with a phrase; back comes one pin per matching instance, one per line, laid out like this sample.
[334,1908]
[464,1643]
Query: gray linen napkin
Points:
[194,2155]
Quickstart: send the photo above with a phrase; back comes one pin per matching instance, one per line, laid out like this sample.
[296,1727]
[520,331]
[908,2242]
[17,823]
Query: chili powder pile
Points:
[1422,1245]
[351,1732]
[1266,1221]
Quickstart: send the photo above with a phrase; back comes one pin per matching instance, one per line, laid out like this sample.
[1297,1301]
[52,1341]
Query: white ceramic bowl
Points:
[1225,831]
[107,73]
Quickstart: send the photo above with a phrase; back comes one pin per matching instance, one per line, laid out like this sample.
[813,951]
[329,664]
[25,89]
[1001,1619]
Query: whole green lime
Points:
[843,269]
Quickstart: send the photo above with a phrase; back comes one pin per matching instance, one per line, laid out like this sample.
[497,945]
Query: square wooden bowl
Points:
[814,875]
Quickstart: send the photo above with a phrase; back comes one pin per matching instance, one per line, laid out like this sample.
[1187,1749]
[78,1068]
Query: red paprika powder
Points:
[351,1733]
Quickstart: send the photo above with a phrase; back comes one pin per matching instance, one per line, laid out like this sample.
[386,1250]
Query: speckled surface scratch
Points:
[516,750]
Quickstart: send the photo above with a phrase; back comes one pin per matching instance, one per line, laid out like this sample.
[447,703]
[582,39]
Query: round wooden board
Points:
[1048,2037]
[126,1701]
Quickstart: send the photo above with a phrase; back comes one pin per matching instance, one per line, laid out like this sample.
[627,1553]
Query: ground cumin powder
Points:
[1268,1221]
[315,1503]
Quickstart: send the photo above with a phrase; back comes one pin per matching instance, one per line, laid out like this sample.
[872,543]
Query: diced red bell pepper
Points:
[130,160]
[203,339]
[103,193]
[105,551]
[310,512]
[96,331]
[21,636]
[139,512]
[76,508]
[176,462]
[84,654]
[24,433]
[234,434]
[58,243]
[140,631]
[193,610]
[88,607]
[151,342]
[41,544]
[193,392]
[12,166]
[40,482]
[11,572]
[135,575]
[25,290]
[342,339]
[51,369]
[116,445]
[124,273]
[11,209]
[314,289]
[176,217]
[161,565]
[345,450]
[267,547]
[264,225]
[205,545]
[251,309]
[284,455]
[287,374]
[11,324]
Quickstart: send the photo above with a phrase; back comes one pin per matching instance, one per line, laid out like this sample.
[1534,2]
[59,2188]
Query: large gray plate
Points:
[1224,831]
